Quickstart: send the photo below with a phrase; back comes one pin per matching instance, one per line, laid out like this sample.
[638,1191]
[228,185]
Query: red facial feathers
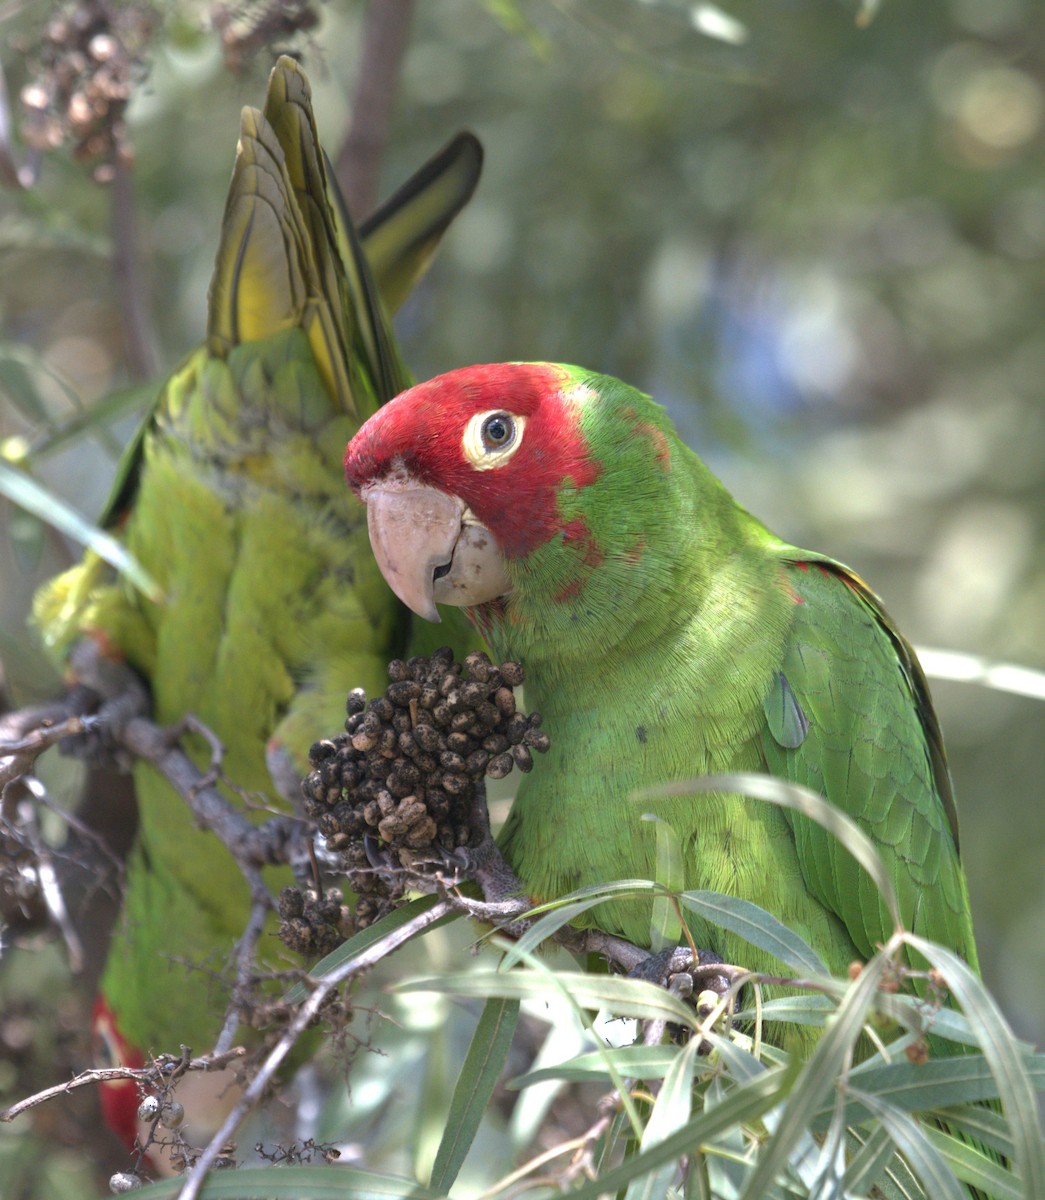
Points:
[420,433]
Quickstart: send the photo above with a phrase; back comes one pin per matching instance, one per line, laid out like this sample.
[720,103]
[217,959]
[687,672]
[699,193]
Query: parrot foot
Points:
[504,897]
[708,973]
[116,694]
[706,980]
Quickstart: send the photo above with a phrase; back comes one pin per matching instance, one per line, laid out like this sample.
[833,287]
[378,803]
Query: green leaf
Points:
[972,1166]
[636,1062]
[867,1164]
[803,1008]
[1002,1050]
[771,790]
[482,1067]
[565,909]
[979,1124]
[24,491]
[758,927]
[670,1113]
[924,1159]
[96,419]
[743,1104]
[818,1076]
[18,385]
[296,1183]
[665,922]
[622,996]
[961,1079]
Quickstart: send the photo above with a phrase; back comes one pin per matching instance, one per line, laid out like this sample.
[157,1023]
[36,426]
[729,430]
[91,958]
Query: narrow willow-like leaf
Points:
[819,1074]
[972,1166]
[740,1064]
[482,1067]
[665,923]
[1002,1050]
[924,1159]
[743,1104]
[979,1124]
[963,1079]
[24,491]
[803,1008]
[544,928]
[296,1183]
[868,1163]
[624,997]
[758,927]
[894,1180]
[771,790]
[636,1062]
[367,938]
[670,1112]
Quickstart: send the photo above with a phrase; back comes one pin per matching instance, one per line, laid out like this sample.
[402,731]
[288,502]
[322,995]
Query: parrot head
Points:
[529,494]
[119,1097]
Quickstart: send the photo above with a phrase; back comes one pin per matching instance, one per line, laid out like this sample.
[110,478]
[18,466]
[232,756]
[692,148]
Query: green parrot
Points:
[229,497]
[666,634]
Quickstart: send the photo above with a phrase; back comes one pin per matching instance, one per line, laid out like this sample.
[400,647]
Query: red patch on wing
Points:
[787,586]
[421,431]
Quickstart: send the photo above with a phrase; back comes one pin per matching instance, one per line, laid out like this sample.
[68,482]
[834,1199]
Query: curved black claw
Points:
[375,856]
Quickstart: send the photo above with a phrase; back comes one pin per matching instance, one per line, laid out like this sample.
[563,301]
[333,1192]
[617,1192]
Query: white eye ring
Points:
[492,437]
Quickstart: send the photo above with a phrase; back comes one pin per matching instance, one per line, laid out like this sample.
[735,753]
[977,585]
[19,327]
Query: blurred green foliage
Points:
[818,238]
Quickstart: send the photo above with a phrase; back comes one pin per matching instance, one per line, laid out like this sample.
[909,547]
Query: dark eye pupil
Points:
[497,431]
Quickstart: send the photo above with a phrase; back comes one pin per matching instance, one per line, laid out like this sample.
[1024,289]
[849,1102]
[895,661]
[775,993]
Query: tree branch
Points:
[127,271]
[155,1075]
[385,35]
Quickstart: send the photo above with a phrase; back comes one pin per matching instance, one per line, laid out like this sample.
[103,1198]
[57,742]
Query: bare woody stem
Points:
[385,35]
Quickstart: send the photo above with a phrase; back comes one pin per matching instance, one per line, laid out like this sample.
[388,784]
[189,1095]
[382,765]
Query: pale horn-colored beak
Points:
[430,548]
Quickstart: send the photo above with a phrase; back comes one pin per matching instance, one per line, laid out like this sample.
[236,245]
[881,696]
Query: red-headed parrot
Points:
[232,499]
[666,634]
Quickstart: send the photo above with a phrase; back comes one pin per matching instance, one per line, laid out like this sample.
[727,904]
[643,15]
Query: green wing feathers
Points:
[849,716]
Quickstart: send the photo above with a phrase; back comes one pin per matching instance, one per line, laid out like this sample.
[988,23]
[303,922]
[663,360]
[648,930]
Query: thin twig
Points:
[18,756]
[152,1075]
[302,1019]
[385,35]
[43,865]
[246,950]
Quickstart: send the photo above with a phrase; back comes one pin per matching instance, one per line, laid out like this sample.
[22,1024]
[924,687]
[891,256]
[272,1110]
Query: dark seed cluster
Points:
[312,923]
[397,788]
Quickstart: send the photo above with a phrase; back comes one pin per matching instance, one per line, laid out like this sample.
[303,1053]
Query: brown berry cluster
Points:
[88,60]
[398,787]
[313,923]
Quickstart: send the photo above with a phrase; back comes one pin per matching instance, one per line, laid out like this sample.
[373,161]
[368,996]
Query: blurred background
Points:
[815,230]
